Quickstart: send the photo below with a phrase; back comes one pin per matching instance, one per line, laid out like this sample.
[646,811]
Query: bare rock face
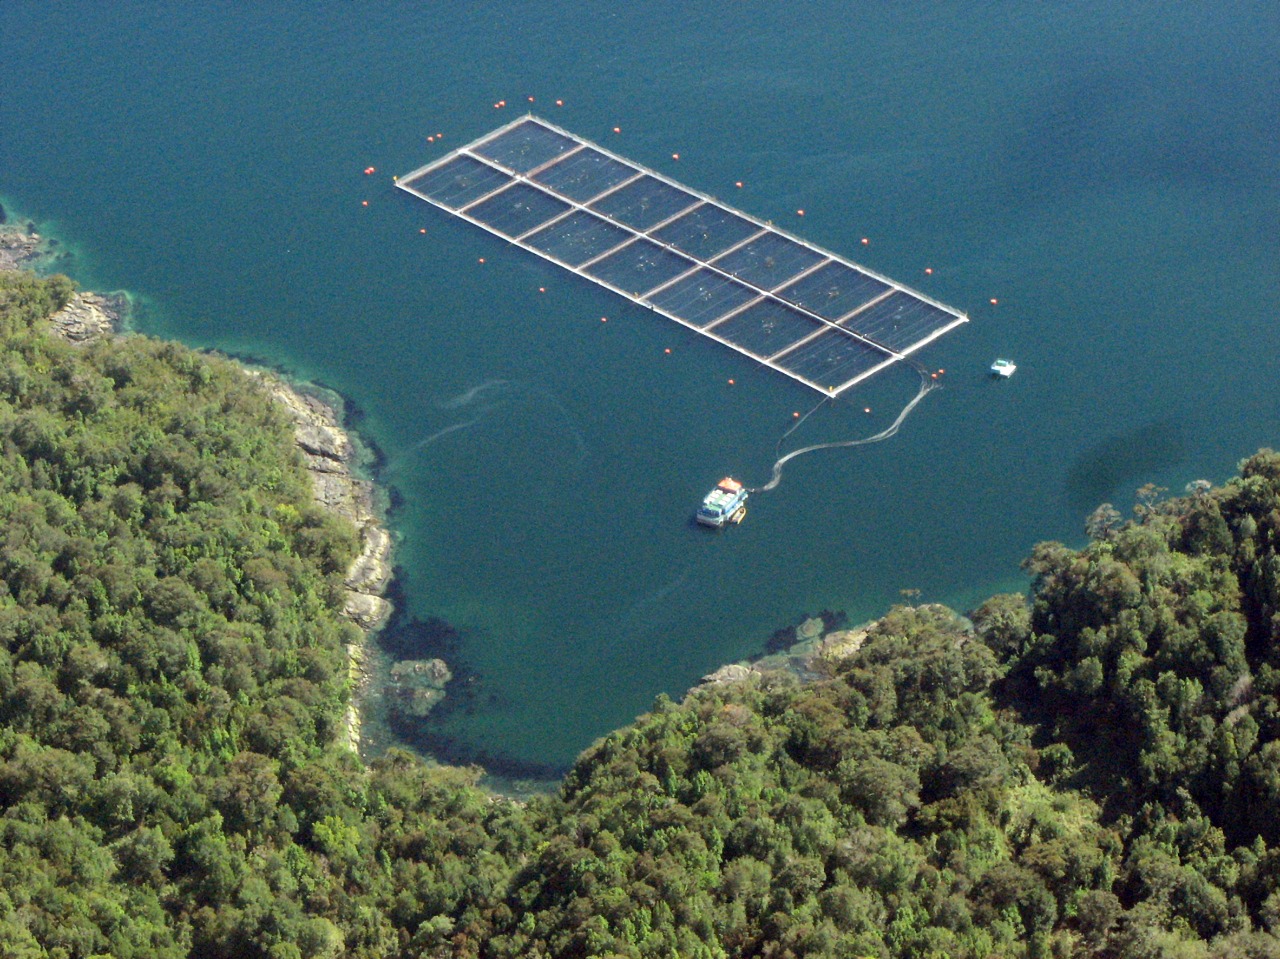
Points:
[372,568]
[732,673]
[841,644]
[88,316]
[366,611]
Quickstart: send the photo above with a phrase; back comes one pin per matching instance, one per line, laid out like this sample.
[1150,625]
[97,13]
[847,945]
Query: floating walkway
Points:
[794,307]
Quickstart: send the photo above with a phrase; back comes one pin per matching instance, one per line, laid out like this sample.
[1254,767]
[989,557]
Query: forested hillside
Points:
[1090,771]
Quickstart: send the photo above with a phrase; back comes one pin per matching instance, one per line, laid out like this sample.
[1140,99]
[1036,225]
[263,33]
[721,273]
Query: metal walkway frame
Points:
[517,182]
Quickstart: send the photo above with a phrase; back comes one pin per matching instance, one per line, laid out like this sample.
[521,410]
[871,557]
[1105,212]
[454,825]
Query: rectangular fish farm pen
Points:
[796,308]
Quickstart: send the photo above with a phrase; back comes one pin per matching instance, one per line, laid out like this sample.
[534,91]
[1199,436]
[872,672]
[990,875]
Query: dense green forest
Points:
[1092,770]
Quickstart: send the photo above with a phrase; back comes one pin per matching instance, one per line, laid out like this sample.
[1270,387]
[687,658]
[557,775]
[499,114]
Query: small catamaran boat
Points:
[1005,368]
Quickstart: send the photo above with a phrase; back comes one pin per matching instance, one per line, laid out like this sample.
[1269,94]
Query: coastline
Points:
[323,441]
[332,457]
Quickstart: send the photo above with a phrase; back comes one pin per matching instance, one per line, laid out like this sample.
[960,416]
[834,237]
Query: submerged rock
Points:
[20,249]
[417,686]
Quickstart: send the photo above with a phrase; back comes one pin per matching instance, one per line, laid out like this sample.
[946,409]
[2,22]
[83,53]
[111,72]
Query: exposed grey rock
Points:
[842,643]
[88,316]
[366,611]
[372,568]
[322,440]
[732,673]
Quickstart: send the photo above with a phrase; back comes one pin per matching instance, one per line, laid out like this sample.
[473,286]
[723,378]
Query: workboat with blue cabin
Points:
[723,505]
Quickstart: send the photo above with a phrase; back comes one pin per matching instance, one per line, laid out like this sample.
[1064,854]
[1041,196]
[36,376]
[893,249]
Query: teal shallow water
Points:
[1110,178]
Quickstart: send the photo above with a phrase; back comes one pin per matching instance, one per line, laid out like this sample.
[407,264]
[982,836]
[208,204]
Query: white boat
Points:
[1005,368]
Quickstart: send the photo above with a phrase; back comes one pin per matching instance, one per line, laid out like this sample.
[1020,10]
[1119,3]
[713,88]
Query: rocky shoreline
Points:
[809,650]
[329,456]
[326,447]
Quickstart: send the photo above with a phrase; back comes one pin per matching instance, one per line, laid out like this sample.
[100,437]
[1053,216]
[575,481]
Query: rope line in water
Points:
[927,386]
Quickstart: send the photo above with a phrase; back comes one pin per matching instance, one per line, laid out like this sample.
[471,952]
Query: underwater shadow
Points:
[1132,457]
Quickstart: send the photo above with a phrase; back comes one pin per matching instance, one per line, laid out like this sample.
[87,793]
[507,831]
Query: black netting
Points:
[899,321]
[833,290]
[525,146]
[458,182]
[702,297]
[769,261]
[639,267]
[644,203]
[578,237]
[832,359]
[707,231]
[584,175]
[518,209]
[766,328]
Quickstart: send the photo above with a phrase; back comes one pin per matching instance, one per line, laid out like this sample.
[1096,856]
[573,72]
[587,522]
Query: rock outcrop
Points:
[89,315]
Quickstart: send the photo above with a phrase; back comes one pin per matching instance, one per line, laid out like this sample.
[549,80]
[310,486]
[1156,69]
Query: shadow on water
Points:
[408,637]
[1131,457]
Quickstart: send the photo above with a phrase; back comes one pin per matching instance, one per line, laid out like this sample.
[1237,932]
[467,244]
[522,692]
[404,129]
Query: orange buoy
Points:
[422,231]
[559,103]
[731,382]
[994,301]
[738,184]
[675,156]
[531,99]
[604,319]
[865,241]
[481,259]
[795,415]
[934,375]
[942,371]
[364,202]
[866,409]
[497,106]
[542,289]
[617,129]
[431,139]
[439,136]
[667,350]
[928,271]
[502,103]
[799,212]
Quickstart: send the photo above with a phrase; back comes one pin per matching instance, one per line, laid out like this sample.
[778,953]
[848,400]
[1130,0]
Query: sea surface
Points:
[1109,173]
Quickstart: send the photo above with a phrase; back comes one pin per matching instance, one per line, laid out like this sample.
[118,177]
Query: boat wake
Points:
[497,397]
[927,386]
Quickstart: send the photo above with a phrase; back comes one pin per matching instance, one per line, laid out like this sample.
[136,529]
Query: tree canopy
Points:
[1090,770]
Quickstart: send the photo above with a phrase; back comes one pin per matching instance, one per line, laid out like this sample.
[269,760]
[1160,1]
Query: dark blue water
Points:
[1108,174]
